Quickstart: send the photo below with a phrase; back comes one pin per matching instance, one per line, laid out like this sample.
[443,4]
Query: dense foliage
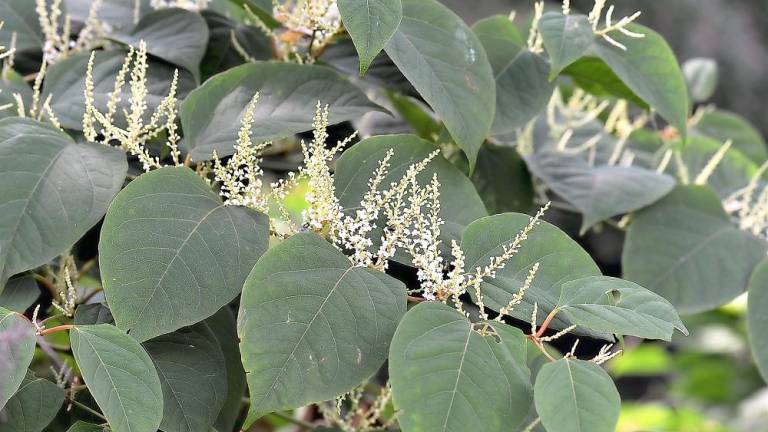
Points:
[192,237]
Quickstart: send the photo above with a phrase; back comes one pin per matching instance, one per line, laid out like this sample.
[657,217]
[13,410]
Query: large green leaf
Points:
[224,326]
[576,396]
[686,249]
[311,326]
[447,65]
[17,345]
[371,24]
[52,191]
[596,77]
[724,125]
[357,165]
[522,86]
[120,376]
[288,93]
[177,36]
[32,407]
[20,17]
[757,319]
[599,192]
[448,377]
[502,180]
[192,374]
[566,38]
[65,82]
[649,68]
[19,294]
[617,306]
[561,260]
[191,251]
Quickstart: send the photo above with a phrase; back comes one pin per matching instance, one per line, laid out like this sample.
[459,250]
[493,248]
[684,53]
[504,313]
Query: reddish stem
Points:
[545,324]
[56,329]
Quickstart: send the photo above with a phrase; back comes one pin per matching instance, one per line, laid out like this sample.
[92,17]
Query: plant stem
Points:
[86,408]
[63,327]
[547,321]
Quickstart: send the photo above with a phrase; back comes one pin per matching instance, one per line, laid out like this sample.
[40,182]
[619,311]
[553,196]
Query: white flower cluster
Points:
[749,205]
[138,132]
[240,177]
[610,26]
[58,41]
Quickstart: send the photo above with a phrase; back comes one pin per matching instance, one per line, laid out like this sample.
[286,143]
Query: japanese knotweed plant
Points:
[178,253]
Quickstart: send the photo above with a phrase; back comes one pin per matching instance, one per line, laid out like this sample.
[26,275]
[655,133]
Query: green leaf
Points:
[566,39]
[686,249]
[502,180]
[757,318]
[416,114]
[596,77]
[192,252]
[224,327]
[731,174]
[357,165]
[311,326]
[17,346]
[561,260]
[724,125]
[52,191]
[617,306]
[576,396]
[288,93]
[448,377]
[522,87]
[120,376]
[599,192]
[649,68]
[20,17]
[371,24]
[33,407]
[177,36]
[81,426]
[192,374]
[65,82]
[221,54]
[19,294]
[701,75]
[447,65]
[95,313]
[12,83]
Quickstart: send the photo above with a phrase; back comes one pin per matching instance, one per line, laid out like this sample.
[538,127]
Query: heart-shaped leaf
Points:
[288,93]
[17,346]
[192,374]
[371,24]
[52,191]
[561,260]
[599,192]
[575,396]
[177,36]
[358,164]
[448,377]
[447,65]
[33,407]
[120,376]
[617,306]
[192,252]
[686,249]
[311,326]
[566,38]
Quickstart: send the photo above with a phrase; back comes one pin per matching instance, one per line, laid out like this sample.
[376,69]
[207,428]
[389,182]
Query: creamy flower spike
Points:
[58,43]
[100,127]
[610,26]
